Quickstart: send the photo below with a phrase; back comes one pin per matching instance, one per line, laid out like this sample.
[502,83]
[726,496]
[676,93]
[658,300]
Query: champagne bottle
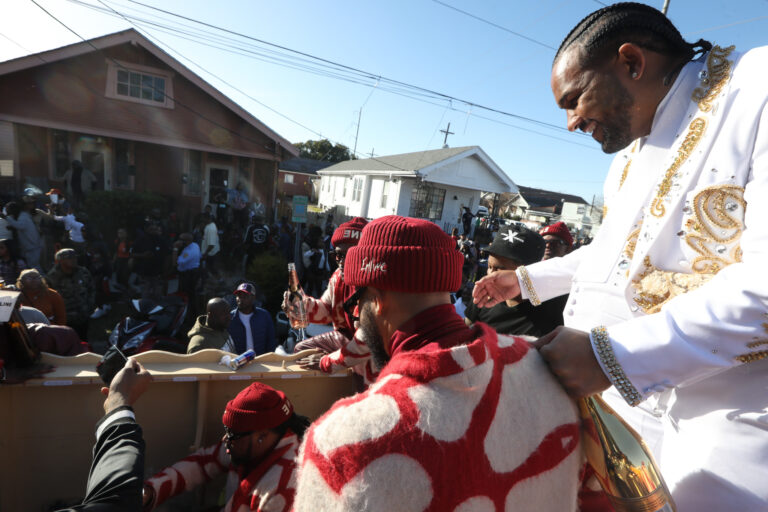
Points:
[622,462]
[297,314]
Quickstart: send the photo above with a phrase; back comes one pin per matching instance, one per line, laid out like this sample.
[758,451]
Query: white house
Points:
[537,207]
[432,184]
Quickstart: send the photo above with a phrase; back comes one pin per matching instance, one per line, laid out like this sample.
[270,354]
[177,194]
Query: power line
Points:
[342,67]
[496,25]
[165,95]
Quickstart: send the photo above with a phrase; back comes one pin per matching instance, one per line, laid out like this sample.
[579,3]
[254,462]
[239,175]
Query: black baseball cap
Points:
[519,244]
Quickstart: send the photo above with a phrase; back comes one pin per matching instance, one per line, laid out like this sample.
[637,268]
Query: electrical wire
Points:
[388,84]
[165,95]
[496,25]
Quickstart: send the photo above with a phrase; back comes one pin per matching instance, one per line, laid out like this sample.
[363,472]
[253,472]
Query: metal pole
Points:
[665,7]
[359,115]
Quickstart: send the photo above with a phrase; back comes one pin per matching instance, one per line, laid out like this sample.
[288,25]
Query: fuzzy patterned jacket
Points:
[459,420]
[329,309]
[267,488]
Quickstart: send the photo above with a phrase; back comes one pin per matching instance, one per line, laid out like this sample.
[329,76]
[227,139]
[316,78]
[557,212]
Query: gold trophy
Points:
[622,462]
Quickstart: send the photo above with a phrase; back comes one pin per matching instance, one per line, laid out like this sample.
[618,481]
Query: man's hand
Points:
[568,353]
[495,288]
[127,386]
[285,306]
[311,362]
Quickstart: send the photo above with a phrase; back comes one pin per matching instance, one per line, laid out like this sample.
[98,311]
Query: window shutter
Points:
[7,149]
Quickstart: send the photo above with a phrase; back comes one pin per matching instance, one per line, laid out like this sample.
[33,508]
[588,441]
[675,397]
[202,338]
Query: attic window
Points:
[141,84]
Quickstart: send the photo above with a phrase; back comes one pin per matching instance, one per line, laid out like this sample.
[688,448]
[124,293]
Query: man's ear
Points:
[377,299]
[631,61]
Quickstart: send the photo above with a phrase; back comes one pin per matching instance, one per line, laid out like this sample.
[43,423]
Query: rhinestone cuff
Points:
[602,346]
[533,298]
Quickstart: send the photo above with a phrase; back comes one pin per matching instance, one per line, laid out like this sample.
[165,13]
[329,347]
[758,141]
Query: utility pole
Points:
[665,8]
[359,115]
[372,152]
[447,132]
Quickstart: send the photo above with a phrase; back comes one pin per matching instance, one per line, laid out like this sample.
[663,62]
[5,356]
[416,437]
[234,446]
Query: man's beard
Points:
[372,337]
[617,129]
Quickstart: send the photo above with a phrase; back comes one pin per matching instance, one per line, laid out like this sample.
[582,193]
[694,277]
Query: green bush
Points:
[109,210]
[270,272]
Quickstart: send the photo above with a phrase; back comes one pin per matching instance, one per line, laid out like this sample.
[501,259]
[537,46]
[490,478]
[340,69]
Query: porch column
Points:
[366,197]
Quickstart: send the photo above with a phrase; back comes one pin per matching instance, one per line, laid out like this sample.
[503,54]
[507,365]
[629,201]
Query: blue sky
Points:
[426,43]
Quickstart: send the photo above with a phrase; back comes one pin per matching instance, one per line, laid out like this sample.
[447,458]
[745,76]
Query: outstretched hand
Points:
[568,352]
[311,362]
[127,386]
[495,288]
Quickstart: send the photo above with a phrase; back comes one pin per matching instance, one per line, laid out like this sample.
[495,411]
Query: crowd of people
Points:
[663,313]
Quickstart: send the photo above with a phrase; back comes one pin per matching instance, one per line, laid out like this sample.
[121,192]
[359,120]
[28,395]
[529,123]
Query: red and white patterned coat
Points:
[458,420]
[329,309]
[269,487]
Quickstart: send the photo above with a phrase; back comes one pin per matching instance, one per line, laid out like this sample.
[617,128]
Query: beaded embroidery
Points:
[692,138]
[602,346]
[718,219]
[533,298]
[718,71]
[656,287]
[751,357]
[626,167]
[718,74]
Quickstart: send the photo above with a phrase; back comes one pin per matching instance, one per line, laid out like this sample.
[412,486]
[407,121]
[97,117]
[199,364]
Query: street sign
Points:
[300,209]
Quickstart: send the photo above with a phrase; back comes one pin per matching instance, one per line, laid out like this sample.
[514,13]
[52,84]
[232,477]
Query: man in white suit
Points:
[668,304]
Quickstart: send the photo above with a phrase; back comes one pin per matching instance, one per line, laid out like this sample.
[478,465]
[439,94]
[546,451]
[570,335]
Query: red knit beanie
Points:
[257,407]
[560,230]
[349,232]
[404,254]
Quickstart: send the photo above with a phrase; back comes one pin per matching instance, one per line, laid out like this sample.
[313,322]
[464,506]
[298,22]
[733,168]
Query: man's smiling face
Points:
[595,101]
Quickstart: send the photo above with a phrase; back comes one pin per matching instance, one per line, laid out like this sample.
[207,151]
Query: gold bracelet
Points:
[533,298]
[602,346]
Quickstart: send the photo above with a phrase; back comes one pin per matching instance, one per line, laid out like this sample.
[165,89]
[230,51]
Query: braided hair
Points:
[602,33]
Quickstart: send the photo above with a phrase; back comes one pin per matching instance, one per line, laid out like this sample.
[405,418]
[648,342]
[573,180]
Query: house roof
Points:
[539,198]
[134,37]
[420,164]
[303,165]
[402,163]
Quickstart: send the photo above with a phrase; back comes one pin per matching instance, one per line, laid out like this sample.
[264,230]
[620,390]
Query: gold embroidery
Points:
[695,131]
[626,167]
[752,356]
[656,287]
[755,344]
[624,173]
[629,249]
[719,219]
[718,72]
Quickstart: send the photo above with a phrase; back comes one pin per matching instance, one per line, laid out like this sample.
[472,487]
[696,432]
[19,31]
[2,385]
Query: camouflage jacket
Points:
[77,290]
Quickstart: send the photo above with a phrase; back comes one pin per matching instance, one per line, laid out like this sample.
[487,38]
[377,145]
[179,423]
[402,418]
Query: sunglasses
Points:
[231,437]
[351,303]
[339,255]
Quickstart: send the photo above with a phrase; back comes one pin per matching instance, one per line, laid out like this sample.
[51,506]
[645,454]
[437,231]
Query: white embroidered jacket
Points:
[677,271]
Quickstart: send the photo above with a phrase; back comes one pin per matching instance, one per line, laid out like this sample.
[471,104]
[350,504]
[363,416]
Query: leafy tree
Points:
[324,150]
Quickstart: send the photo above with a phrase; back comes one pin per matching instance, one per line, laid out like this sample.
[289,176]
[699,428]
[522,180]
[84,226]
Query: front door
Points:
[218,182]
[93,153]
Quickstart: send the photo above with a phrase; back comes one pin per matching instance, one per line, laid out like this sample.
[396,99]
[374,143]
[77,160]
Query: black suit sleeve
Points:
[116,477]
